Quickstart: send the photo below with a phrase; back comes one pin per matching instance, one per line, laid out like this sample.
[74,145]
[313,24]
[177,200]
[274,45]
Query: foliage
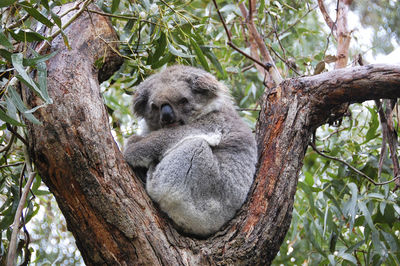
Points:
[339,217]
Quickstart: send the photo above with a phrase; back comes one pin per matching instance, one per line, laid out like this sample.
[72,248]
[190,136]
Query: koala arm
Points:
[147,150]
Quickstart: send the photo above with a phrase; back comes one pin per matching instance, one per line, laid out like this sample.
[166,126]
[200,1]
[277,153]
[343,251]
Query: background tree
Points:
[338,216]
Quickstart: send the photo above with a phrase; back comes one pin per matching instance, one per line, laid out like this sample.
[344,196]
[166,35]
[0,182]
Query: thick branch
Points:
[350,85]
[342,34]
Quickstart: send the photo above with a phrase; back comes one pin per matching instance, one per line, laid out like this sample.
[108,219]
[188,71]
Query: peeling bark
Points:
[107,209]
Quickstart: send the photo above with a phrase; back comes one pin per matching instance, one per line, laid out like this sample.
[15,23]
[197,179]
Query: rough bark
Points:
[106,207]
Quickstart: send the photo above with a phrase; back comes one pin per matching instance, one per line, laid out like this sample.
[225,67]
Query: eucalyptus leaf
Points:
[36,14]
[178,53]
[367,214]
[200,54]
[5,42]
[5,3]
[17,61]
[6,118]
[15,98]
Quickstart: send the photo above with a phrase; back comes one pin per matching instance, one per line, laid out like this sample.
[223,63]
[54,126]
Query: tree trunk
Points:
[107,209]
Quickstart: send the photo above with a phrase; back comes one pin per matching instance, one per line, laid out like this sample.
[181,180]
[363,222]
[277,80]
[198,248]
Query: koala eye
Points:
[183,101]
[153,106]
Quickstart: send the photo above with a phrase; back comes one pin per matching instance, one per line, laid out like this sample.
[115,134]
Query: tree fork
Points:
[107,209]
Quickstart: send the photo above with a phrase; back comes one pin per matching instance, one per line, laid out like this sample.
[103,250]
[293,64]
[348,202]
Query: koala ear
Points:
[140,100]
[203,84]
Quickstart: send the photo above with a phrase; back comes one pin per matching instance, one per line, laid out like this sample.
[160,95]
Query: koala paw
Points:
[212,139]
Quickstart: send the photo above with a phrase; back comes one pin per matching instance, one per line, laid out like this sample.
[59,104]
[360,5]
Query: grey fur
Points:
[199,153]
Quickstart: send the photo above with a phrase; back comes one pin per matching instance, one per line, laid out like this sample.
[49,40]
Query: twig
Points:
[284,61]
[12,130]
[11,256]
[123,17]
[9,144]
[249,109]
[273,71]
[326,16]
[352,167]
[19,22]
[296,22]
[230,43]
[389,136]
[10,165]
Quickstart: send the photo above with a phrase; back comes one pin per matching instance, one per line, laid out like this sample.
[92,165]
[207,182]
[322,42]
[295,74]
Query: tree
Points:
[106,207]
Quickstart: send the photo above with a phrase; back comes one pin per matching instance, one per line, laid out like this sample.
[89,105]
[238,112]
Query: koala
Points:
[199,154]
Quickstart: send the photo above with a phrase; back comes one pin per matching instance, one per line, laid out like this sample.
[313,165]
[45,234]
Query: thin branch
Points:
[230,43]
[389,135]
[9,144]
[273,71]
[19,22]
[352,167]
[11,256]
[296,22]
[13,131]
[11,165]
[285,61]
[123,17]
[328,20]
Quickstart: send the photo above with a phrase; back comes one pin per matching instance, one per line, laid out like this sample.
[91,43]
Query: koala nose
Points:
[167,114]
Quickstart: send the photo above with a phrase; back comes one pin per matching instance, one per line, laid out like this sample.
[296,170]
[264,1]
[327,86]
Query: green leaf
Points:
[373,125]
[214,60]
[312,239]
[167,58]
[199,54]
[178,53]
[15,98]
[5,3]
[36,14]
[161,43]
[26,36]
[6,118]
[348,257]
[114,6]
[17,60]
[38,59]
[56,19]
[5,54]
[332,242]
[351,206]
[5,42]
[367,214]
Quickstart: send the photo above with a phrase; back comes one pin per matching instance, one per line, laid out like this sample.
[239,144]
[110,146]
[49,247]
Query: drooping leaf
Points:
[6,118]
[5,3]
[36,14]
[114,5]
[38,59]
[200,54]
[5,42]
[26,36]
[15,98]
[178,53]
[17,61]
[367,214]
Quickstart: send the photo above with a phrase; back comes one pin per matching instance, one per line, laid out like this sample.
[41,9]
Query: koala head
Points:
[178,95]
